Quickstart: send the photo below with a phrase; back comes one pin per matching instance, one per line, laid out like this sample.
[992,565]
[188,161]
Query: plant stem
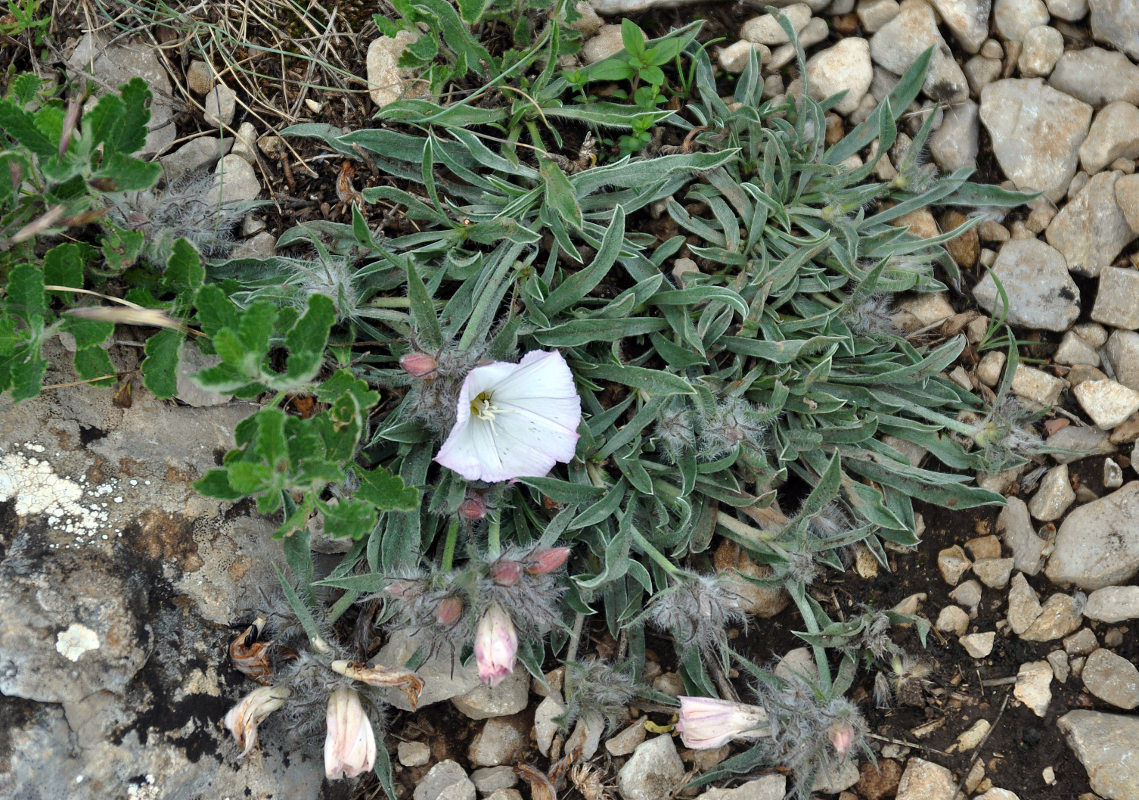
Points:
[650,550]
[449,545]
[494,546]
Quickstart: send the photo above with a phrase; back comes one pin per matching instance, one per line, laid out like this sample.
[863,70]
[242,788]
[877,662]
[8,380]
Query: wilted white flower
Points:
[496,645]
[514,420]
[350,746]
[242,720]
[705,723]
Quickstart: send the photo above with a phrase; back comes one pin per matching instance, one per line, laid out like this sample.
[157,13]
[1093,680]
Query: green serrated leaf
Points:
[159,368]
[95,363]
[63,266]
[20,126]
[307,339]
[26,297]
[386,491]
[351,519]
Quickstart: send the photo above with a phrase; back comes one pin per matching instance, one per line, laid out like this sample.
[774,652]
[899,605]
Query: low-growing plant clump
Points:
[530,424]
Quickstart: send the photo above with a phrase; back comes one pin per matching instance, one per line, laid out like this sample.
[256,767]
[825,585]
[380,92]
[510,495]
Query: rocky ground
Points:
[121,588]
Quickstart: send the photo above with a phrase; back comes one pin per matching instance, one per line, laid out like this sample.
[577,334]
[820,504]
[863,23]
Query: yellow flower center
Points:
[483,407]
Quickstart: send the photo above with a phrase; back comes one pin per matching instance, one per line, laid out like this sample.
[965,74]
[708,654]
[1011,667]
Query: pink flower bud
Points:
[506,573]
[706,723]
[350,746]
[448,611]
[841,735]
[496,645]
[543,562]
[403,590]
[418,365]
[473,507]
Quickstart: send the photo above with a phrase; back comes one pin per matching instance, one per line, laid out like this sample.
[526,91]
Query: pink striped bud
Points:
[496,645]
[448,611]
[543,562]
[403,589]
[473,507]
[841,735]
[506,573]
[418,365]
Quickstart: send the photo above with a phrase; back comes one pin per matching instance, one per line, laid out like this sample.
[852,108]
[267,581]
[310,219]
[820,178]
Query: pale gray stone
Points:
[873,14]
[1114,133]
[1018,535]
[1117,298]
[1075,349]
[488,780]
[245,142]
[968,596]
[1068,10]
[1023,605]
[769,787]
[735,57]
[980,71]
[443,675]
[1042,48]
[1036,132]
[1040,292]
[844,67]
[1058,660]
[1112,678]
[1127,196]
[952,563]
[445,781]
[263,245]
[1098,543]
[199,77]
[766,29]
[1091,229]
[191,361]
[653,772]
[1080,643]
[1034,686]
[979,645]
[968,20]
[605,43]
[234,182]
[1082,441]
[1105,745]
[924,780]
[386,81]
[956,143]
[196,153]
[994,572]
[545,725]
[1059,616]
[952,620]
[1107,402]
[1096,76]
[1116,23]
[1035,387]
[626,741]
[1113,604]
[900,41]
[500,739]
[1054,495]
[221,105]
[836,778]
[588,22]
[484,701]
[115,64]
[1122,354]
[1014,18]
[1112,474]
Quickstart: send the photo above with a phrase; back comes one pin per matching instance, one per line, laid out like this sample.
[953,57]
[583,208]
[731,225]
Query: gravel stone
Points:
[1127,197]
[1084,439]
[1036,386]
[1114,133]
[221,105]
[767,30]
[445,781]
[874,14]
[1033,686]
[500,739]
[1091,230]
[196,153]
[653,772]
[1117,298]
[1096,76]
[1105,745]
[1041,293]
[1023,605]
[735,57]
[234,182]
[1098,543]
[605,43]
[968,596]
[1107,403]
[1059,616]
[845,66]
[1112,678]
[994,572]
[545,726]
[1074,349]
[968,20]
[1113,604]
[626,741]
[953,563]
[1080,643]
[924,780]
[510,696]
[488,780]
[979,645]
[952,620]
[984,547]
[1043,46]
[1036,132]
[1116,23]
[1122,354]
[1020,538]
[1112,474]
[199,79]
[1014,18]
[1058,660]
[769,787]
[1068,10]
[956,143]
[900,41]
[413,754]
[980,71]
[1054,496]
